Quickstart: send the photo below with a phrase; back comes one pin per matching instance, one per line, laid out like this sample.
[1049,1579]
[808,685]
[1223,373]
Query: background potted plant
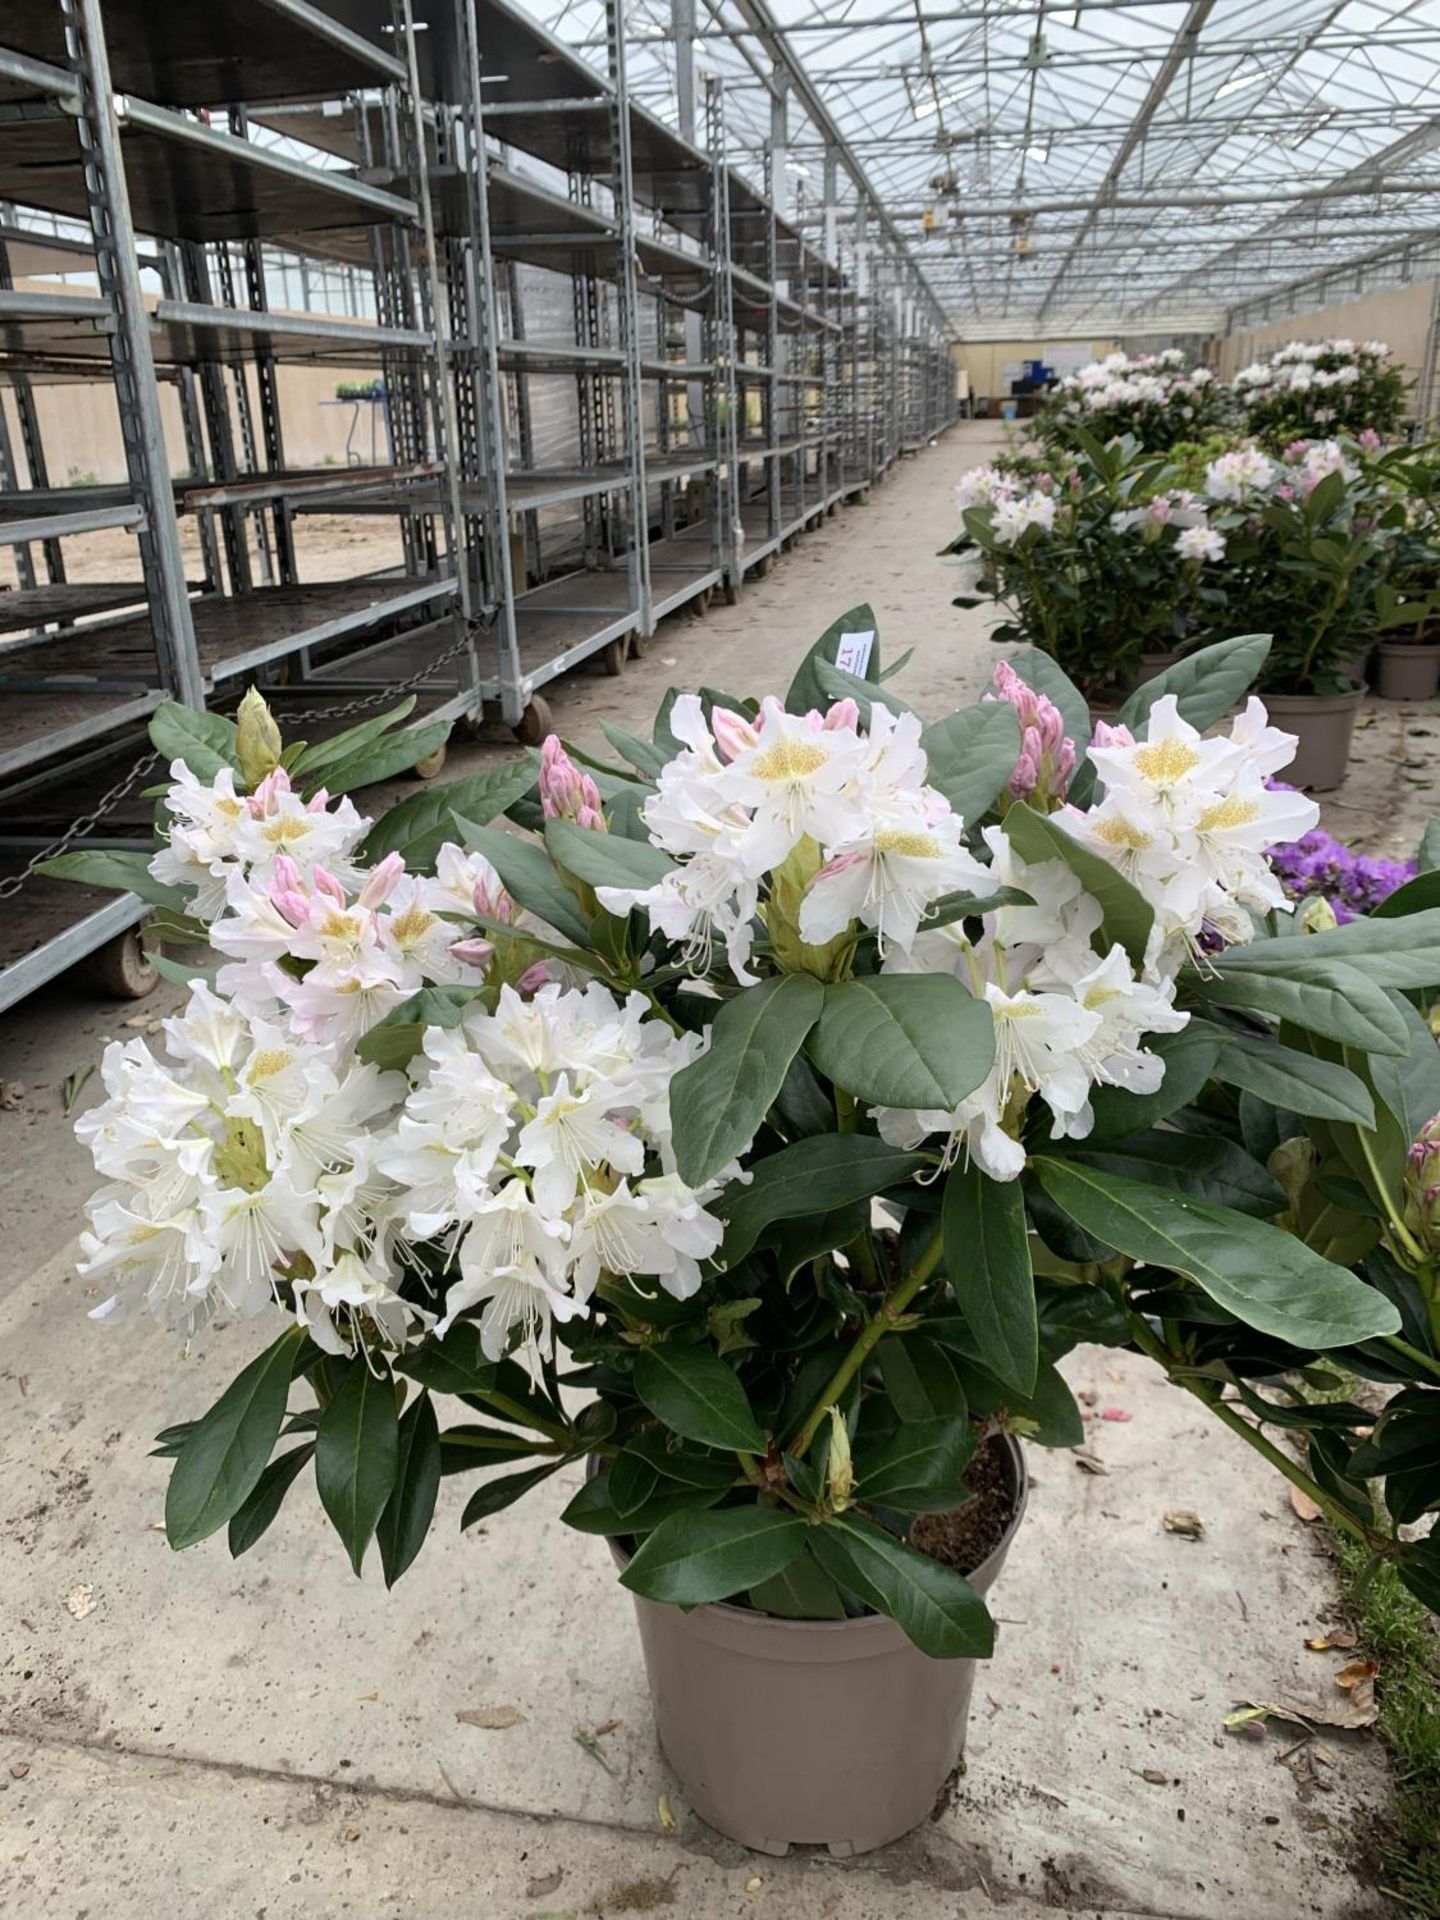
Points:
[1320,389]
[1107,567]
[1153,399]
[757,1127]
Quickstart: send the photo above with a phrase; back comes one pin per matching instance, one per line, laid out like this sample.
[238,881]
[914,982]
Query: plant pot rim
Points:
[1315,702]
[1408,649]
[877,1626]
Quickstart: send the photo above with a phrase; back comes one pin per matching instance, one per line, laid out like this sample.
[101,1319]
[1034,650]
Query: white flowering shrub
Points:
[1155,399]
[1320,389]
[757,1125]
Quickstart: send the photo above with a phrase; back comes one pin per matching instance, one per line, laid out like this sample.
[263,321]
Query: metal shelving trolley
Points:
[616,373]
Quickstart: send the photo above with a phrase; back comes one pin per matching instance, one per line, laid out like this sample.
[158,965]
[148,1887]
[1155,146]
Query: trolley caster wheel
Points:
[471,726]
[732,593]
[638,645]
[701,602]
[761,566]
[613,654]
[427,768]
[122,967]
[535,723]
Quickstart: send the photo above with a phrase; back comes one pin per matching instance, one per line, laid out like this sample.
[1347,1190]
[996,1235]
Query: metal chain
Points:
[11,886]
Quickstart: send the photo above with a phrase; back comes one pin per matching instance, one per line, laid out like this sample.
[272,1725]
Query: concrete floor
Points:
[272,1738]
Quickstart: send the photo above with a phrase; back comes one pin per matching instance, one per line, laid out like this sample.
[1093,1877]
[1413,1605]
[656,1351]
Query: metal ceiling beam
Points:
[758,18]
[1099,133]
[1182,46]
[1418,242]
[1264,195]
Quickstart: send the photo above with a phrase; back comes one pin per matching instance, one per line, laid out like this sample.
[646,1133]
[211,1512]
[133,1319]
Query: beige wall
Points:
[1400,317]
[984,361]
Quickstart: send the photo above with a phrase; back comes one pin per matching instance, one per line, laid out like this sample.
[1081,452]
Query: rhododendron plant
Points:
[755,1124]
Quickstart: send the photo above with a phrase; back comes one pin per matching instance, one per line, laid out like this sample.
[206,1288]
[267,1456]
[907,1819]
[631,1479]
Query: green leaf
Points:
[255,1516]
[1128,916]
[340,746]
[837,684]
[204,741]
[1189,1057]
[528,877]
[987,1255]
[805,689]
[939,1611]
[1207,1166]
[693,1558]
[687,1465]
[504,1490]
[1206,683]
[919,1469]
[801,1591]
[1416,896]
[455,1364]
[644,757]
[394,1041]
[421,825]
[718,1102]
[972,754]
[697,1396]
[904,1039]
[1266,1278]
[632,1482]
[226,1451]
[357,1455]
[119,870]
[593,1511]
[809,1176]
[1289,1079]
[382,759]
[411,1506]
[1402,953]
[1338,1002]
[920,1382]
[1429,857]
[1050,1416]
[605,859]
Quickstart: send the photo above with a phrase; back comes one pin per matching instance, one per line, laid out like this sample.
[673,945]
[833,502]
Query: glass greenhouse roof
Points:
[1101,166]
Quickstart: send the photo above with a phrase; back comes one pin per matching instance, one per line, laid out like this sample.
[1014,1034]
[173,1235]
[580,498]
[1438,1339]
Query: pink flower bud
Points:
[1045,483]
[1159,511]
[494,904]
[319,803]
[270,789]
[326,883]
[565,792]
[1370,440]
[1025,776]
[1047,757]
[1107,736]
[533,978]
[733,733]
[383,880]
[1285,492]
[472,953]
[1297,450]
[842,717]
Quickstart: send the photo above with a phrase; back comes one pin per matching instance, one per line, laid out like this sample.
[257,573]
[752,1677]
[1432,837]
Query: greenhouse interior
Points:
[667,671]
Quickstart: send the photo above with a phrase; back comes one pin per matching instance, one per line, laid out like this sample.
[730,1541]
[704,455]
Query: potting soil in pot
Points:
[966,1537]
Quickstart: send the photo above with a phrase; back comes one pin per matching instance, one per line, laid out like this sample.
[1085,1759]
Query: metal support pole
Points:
[628,317]
[682,26]
[138,397]
[727,524]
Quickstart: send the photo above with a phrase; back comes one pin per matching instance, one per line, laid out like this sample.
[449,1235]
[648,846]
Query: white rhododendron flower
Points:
[1200,543]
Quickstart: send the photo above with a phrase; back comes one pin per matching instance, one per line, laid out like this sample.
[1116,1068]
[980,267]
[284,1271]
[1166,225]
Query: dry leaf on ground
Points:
[1337,1638]
[668,1822]
[81,1601]
[544,1883]
[493,1719]
[1186,1522]
[1088,1462]
[1305,1507]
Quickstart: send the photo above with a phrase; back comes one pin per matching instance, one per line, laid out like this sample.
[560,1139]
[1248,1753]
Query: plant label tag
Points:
[853,653]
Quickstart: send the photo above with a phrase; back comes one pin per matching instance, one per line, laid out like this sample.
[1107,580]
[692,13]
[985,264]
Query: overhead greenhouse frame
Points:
[1105,166]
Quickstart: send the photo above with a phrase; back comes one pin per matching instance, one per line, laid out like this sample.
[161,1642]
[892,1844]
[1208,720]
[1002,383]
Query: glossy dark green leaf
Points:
[920,1381]
[919,1469]
[411,1506]
[420,826]
[632,1482]
[718,1102]
[939,1611]
[987,1256]
[809,1176]
[1335,1001]
[254,1518]
[1189,1057]
[382,759]
[904,1039]
[1207,1166]
[806,691]
[696,1557]
[642,755]
[697,1396]
[690,1466]
[593,1511]
[605,859]
[357,1454]
[322,754]
[1287,1078]
[971,755]
[226,1451]
[801,1591]
[392,1043]
[1402,953]
[493,1496]
[454,1364]
[1266,1278]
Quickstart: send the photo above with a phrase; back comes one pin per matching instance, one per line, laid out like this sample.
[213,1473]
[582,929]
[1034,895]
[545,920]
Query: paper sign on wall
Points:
[853,653]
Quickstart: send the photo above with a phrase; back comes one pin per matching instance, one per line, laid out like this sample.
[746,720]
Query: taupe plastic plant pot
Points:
[833,1733]
[1408,671]
[1323,723]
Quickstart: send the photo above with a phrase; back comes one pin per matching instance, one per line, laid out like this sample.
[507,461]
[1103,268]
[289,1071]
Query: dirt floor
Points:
[315,1731]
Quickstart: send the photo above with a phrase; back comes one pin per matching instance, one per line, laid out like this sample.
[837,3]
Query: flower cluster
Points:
[1156,397]
[1328,386]
[1318,866]
[1047,756]
[515,1158]
[846,817]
